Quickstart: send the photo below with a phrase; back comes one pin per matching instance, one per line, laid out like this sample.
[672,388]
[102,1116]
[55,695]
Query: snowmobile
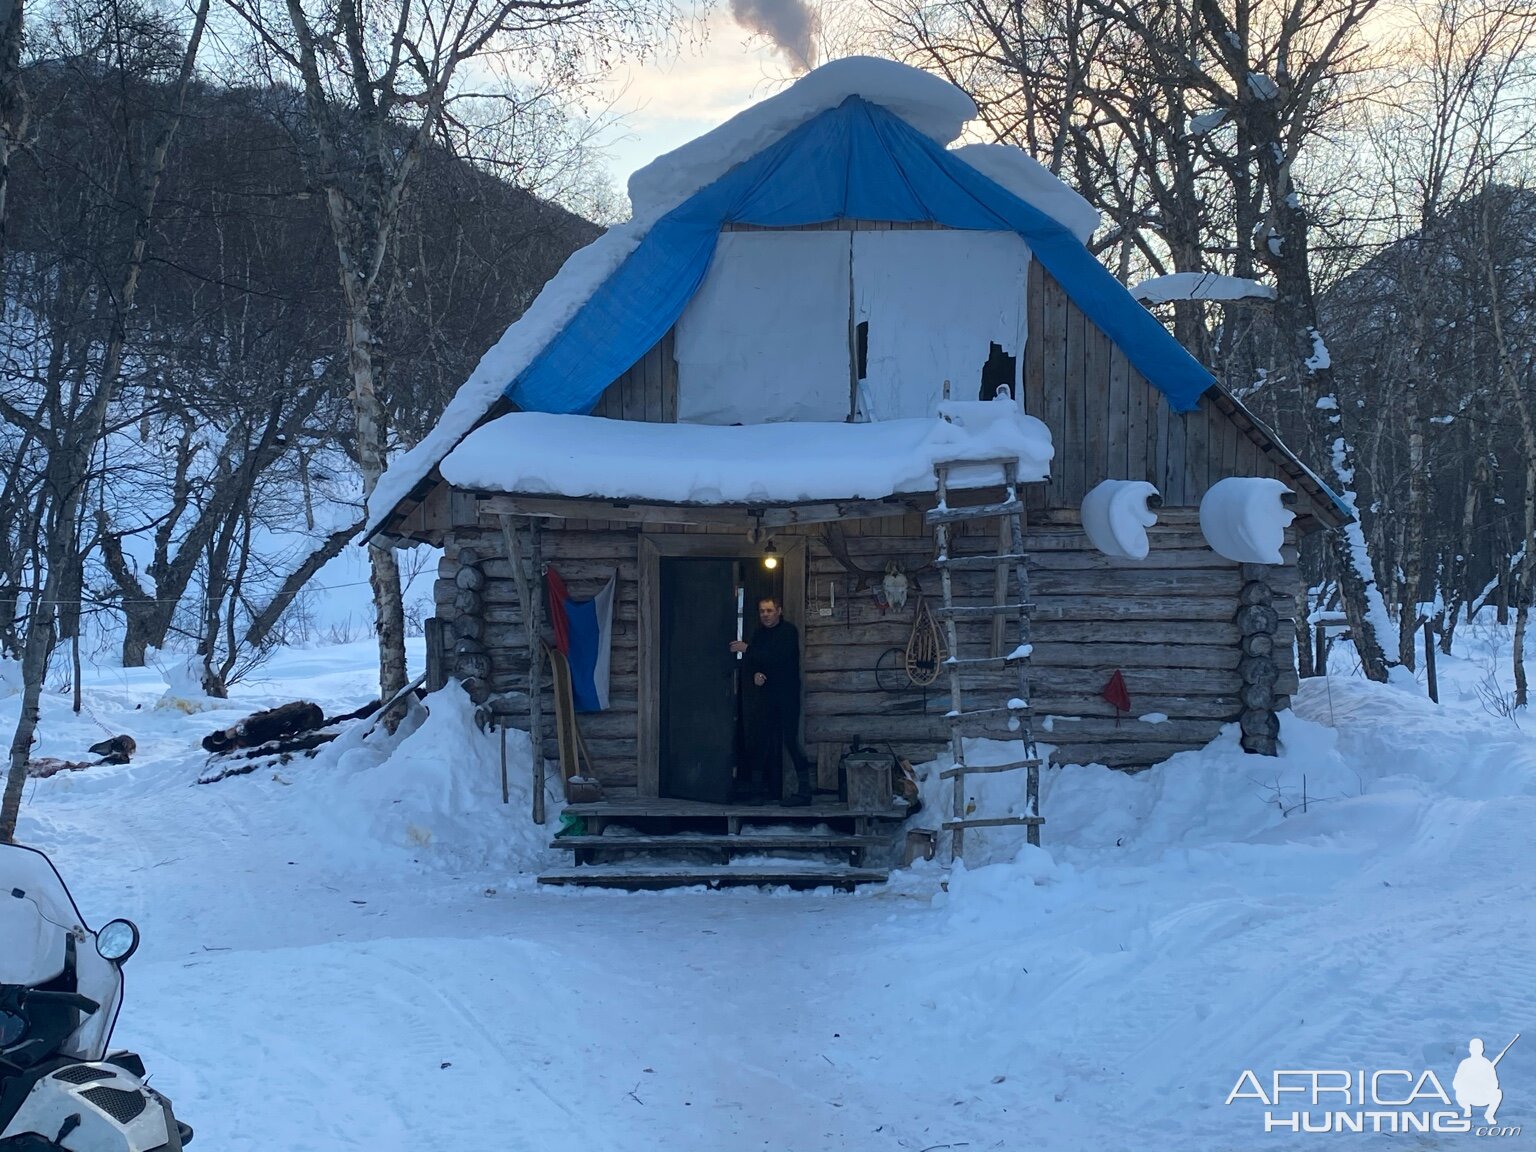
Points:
[61,986]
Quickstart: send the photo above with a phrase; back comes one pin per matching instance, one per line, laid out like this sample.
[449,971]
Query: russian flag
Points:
[584,633]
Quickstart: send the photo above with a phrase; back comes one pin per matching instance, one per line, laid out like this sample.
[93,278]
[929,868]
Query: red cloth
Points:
[559,594]
[1117,693]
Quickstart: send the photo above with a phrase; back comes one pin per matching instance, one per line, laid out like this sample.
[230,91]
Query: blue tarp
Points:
[855,161]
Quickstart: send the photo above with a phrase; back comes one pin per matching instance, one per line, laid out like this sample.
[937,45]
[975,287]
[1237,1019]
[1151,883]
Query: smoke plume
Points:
[790,24]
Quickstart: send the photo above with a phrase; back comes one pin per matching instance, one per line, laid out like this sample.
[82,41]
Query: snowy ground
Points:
[349,954]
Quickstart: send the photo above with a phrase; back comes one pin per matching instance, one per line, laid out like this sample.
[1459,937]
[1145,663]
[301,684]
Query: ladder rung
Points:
[959,563]
[993,822]
[973,769]
[976,512]
[982,610]
[985,662]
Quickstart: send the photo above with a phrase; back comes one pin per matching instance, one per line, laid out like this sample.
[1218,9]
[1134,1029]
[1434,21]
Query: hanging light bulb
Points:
[770,557]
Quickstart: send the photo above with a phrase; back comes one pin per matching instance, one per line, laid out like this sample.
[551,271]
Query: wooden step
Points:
[745,844]
[973,563]
[635,876]
[979,769]
[646,808]
[996,822]
[974,512]
[993,822]
[968,613]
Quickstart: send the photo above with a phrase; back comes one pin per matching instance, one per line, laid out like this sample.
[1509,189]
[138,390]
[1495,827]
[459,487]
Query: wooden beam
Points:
[731,516]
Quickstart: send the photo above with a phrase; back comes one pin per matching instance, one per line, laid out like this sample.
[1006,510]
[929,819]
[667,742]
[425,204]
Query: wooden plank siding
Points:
[1108,422]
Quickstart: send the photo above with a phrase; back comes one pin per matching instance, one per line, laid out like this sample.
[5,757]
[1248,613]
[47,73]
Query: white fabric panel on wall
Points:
[935,303]
[765,338]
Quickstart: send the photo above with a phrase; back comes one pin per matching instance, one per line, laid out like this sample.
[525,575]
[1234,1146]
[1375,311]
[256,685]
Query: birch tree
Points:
[379,81]
[69,428]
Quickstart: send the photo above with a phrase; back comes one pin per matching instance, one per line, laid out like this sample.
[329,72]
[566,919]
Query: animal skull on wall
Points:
[894,584]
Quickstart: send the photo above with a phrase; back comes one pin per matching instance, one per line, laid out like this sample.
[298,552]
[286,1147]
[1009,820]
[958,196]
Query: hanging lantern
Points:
[770,557]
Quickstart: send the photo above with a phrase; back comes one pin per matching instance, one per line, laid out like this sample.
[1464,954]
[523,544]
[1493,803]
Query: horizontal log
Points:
[1258,670]
[1258,644]
[1098,730]
[1221,708]
[1257,618]
[471,579]
[1260,722]
[1116,755]
[975,635]
[1115,582]
[1255,592]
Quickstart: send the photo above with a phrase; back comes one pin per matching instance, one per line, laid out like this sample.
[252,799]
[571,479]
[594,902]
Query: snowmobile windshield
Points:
[37,916]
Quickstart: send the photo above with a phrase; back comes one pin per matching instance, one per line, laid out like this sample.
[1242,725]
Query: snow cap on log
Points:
[1116,516]
[1244,518]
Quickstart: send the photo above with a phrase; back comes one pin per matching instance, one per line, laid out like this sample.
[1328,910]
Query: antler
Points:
[832,537]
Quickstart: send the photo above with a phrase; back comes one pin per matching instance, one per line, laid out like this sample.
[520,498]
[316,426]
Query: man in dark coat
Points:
[771,677]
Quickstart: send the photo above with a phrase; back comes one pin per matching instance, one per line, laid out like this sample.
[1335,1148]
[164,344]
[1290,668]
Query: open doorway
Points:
[705,603]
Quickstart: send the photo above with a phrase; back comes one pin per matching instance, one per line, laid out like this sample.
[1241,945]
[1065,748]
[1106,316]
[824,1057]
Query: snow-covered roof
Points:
[787,161]
[933,106]
[542,453]
[1033,183]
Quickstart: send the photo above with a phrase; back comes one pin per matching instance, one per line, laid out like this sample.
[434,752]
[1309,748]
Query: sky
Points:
[664,104]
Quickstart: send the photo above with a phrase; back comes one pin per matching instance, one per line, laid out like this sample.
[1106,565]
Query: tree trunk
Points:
[368,413]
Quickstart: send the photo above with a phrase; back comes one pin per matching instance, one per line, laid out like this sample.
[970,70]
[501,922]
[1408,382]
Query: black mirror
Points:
[118,940]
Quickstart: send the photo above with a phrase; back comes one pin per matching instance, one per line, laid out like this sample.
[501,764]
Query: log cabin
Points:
[748,389]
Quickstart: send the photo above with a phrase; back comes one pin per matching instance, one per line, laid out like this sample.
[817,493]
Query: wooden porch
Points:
[650,843]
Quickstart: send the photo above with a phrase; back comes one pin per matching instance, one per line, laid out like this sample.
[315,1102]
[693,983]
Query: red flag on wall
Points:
[1116,692]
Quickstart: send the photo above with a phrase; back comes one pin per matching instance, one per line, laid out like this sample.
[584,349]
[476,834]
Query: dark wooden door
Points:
[698,679]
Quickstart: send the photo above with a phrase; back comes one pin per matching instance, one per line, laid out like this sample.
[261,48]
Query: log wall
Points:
[1169,623]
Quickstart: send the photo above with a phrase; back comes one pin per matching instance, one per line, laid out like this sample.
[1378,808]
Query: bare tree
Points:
[378,84]
[70,437]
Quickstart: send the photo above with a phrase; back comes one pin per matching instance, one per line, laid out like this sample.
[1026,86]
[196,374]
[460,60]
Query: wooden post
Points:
[1429,660]
[533,622]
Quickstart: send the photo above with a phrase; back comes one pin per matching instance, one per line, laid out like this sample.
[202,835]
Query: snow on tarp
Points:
[933,106]
[1116,516]
[1200,286]
[1032,182]
[541,453]
[1243,519]
[614,300]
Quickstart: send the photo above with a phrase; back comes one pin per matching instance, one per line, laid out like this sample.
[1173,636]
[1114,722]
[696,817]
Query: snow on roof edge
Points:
[583,272]
[1016,171]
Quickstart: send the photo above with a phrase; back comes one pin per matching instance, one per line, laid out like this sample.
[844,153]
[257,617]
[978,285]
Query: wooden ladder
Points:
[1011,510]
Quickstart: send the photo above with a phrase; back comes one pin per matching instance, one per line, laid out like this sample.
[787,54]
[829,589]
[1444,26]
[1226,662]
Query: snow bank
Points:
[11,680]
[1033,183]
[933,106]
[543,453]
[184,683]
[1243,519]
[1200,286]
[433,788]
[1116,516]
